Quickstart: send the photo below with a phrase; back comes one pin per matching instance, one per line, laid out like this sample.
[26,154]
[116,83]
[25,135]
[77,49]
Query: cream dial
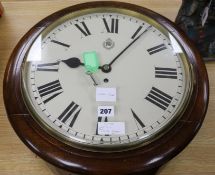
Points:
[138,95]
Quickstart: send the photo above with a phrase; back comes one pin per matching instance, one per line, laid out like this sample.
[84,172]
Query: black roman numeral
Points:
[156,49]
[60,43]
[137,31]
[161,72]
[113,27]
[159,98]
[100,119]
[52,67]
[84,30]
[50,90]
[72,110]
[137,119]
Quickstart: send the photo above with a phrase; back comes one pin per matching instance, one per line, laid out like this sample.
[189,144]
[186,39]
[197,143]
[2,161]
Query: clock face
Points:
[106,78]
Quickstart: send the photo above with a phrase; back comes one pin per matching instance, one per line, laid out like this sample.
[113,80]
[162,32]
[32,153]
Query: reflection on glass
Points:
[175,45]
[35,53]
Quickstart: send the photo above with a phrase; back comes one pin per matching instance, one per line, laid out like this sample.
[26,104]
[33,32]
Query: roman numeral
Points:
[100,119]
[70,114]
[159,98]
[52,67]
[50,90]
[137,31]
[84,30]
[161,72]
[156,49]
[137,119]
[60,43]
[113,27]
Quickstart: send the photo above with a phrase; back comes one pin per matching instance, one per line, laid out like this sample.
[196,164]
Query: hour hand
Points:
[91,62]
[73,62]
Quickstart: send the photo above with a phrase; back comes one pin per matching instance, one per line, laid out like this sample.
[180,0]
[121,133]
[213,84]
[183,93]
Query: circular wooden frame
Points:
[145,159]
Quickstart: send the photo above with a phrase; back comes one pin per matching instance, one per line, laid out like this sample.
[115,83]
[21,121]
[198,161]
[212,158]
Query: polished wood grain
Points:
[13,150]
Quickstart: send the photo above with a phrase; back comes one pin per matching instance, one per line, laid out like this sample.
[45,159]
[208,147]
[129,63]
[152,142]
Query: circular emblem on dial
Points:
[108,43]
[126,97]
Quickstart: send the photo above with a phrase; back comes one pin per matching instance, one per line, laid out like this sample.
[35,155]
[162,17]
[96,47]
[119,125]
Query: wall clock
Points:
[106,88]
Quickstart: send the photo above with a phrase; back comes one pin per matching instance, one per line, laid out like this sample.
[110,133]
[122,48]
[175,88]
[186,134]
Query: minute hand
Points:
[129,45]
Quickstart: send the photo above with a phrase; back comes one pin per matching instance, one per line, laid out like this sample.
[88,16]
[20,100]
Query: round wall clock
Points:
[106,88]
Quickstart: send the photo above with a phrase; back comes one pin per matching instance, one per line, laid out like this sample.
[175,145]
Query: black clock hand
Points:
[107,67]
[73,62]
[92,78]
[129,45]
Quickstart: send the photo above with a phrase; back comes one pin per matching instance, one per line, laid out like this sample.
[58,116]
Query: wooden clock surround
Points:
[1,9]
[143,160]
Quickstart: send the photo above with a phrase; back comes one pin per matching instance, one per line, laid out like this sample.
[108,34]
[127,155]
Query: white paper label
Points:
[111,128]
[106,94]
[105,111]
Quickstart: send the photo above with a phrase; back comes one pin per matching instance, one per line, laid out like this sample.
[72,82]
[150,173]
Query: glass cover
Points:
[106,78]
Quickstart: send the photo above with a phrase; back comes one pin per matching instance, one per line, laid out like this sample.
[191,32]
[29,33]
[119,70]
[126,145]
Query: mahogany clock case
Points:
[142,159]
[1,9]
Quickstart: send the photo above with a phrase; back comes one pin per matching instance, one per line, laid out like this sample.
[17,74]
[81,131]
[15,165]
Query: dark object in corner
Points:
[1,9]
[197,19]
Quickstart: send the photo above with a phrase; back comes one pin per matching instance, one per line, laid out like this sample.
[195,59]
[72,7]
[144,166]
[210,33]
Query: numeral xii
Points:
[113,27]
